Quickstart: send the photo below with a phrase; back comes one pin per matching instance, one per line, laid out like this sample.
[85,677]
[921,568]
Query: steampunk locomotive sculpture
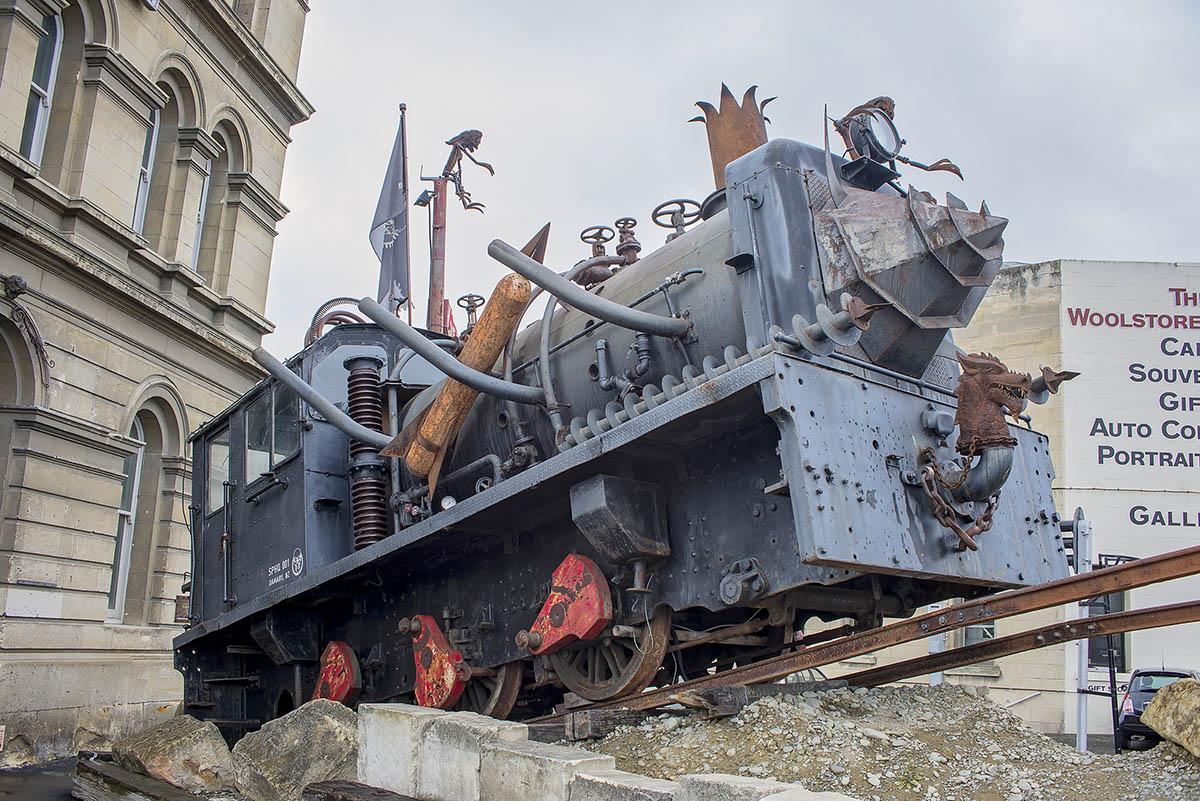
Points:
[694,453]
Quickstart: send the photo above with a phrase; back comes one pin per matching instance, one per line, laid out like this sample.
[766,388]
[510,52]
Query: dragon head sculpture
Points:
[986,390]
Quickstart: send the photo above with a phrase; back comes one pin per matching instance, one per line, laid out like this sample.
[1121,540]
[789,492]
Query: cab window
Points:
[218,470]
[272,431]
[258,437]
[285,431]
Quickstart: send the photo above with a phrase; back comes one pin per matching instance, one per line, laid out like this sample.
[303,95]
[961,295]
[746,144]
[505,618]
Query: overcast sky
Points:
[1076,120]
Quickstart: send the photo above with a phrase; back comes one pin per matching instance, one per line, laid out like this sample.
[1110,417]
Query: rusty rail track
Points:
[1138,573]
[1114,623]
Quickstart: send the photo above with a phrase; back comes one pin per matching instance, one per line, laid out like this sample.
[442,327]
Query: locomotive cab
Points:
[271,489]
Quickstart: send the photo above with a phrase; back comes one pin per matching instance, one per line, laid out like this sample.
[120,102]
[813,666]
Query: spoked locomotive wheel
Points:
[494,696]
[610,667]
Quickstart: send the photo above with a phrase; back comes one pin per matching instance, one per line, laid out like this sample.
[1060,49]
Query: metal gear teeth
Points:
[634,405]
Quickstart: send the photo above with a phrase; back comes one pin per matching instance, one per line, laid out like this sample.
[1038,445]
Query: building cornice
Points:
[221,19]
[263,206]
[109,70]
[30,12]
[14,163]
[199,140]
[69,427]
[227,305]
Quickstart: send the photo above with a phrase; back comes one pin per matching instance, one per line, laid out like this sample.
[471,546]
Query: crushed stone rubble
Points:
[945,743]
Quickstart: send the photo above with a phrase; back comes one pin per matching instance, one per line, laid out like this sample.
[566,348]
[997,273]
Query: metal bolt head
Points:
[528,639]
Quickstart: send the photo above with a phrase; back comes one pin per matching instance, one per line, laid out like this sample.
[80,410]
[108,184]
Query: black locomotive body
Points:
[779,462]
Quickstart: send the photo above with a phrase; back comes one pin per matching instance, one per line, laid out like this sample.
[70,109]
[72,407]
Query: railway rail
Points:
[1130,575]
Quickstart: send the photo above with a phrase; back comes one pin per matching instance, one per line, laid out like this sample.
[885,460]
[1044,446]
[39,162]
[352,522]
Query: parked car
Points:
[1143,684]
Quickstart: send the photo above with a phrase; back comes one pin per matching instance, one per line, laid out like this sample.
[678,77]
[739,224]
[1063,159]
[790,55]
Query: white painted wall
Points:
[1137,351]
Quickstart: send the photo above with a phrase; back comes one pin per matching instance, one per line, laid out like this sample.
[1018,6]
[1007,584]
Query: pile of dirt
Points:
[930,743]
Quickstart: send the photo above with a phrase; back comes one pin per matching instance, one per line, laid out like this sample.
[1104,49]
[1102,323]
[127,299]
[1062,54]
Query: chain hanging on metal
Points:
[947,515]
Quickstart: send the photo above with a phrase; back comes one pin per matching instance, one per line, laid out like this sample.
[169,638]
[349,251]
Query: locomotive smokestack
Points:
[733,130]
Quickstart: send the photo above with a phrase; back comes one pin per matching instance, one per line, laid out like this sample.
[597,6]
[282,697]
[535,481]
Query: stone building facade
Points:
[142,147]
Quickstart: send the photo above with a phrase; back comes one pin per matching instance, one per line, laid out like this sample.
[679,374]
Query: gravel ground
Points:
[941,743]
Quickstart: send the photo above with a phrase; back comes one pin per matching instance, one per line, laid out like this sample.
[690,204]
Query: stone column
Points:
[174,236]
[251,213]
[117,100]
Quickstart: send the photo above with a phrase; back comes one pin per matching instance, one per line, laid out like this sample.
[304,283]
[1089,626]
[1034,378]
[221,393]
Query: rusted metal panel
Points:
[733,130]
[340,678]
[340,790]
[440,679]
[578,608]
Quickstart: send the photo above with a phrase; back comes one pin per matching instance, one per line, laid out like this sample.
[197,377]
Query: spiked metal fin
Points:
[536,248]
[954,202]
[836,190]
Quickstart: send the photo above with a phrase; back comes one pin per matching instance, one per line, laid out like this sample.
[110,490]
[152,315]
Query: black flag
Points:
[389,229]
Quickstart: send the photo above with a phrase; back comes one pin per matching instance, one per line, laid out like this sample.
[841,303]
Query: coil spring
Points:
[368,507]
[368,490]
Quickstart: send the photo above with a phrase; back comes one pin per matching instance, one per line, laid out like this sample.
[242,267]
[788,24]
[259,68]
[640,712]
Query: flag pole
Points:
[404,168]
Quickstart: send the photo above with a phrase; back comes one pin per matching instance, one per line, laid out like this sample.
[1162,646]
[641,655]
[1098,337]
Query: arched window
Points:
[145,172]
[145,514]
[41,89]
[215,249]
[17,371]
[168,180]
[126,517]
[61,131]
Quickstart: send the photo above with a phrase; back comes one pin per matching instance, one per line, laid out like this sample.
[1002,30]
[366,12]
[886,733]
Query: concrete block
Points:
[617,785]
[389,744]
[800,794]
[532,771]
[727,787]
[450,754]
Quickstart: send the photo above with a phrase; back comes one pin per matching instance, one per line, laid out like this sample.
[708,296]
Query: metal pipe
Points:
[406,354]
[227,539]
[393,412]
[193,513]
[537,290]
[447,363]
[314,330]
[604,376]
[678,278]
[552,404]
[331,413]
[841,357]
[984,478]
[520,431]
[487,459]
[578,297]
[642,349]
[736,630]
